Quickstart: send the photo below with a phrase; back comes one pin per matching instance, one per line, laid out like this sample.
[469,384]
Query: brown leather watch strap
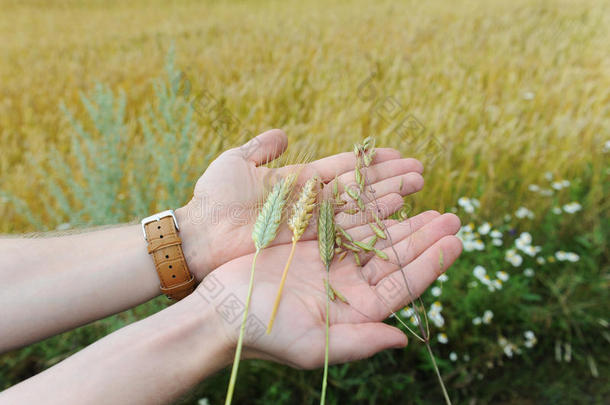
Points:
[165,246]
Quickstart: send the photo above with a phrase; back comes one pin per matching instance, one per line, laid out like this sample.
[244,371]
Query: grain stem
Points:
[242,330]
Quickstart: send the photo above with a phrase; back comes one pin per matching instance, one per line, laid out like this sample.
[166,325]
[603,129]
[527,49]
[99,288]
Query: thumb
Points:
[265,147]
[349,342]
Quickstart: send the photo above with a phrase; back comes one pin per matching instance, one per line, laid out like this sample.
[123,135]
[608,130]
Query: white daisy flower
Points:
[540,260]
[534,188]
[556,210]
[407,312]
[487,317]
[442,278]
[572,207]
[523,212]
[463,201]
[479,272]
[442,338]
[561,255]
[468,245]
[528,272]
[437,319]
[495,234]
[436,291]
[496,242]
[572,257]
[557,185]
[477,320]
[502,275]
[526,237]
[530,250]
[484,228]
[513,258]
[453,356]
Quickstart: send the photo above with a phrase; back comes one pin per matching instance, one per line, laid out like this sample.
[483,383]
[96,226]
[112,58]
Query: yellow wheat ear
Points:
[302,211]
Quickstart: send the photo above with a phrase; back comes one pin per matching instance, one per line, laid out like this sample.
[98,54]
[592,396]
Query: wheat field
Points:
[488,95]
[110,110]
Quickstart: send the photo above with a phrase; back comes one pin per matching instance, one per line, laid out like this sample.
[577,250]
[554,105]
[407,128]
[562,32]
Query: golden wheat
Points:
[302,211]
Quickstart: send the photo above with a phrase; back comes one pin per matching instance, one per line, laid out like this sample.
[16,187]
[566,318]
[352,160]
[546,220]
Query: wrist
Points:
[196,249]
[202,322]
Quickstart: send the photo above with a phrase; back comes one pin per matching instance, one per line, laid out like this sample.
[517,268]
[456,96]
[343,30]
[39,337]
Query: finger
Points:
[265,147]
[396,233]
[333,166]
[412,246]
[349,342]
[409,183]
[398,229]
[383,207]
[381,171]
[419,275]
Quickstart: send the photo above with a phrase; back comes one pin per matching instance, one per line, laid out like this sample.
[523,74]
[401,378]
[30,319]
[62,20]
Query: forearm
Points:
[151,361]
[50,285]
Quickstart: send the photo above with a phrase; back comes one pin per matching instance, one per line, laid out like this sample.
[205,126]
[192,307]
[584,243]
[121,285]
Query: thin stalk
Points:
[425,332]
[242,330]
[282,282]
[438,374]
[325,377]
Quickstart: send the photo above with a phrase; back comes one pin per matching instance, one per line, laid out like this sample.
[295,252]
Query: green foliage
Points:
[109,181]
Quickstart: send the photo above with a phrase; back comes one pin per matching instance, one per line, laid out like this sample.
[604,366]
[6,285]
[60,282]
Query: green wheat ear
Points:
[265,231]
[268,220]
[326,232]
[326,246]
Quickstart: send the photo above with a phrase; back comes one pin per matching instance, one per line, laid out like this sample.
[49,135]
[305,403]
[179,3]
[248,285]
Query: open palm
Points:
[373,292]
[217,223]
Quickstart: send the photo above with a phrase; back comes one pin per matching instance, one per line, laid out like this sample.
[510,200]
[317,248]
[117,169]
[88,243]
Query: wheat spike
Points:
[264,232]
[302,211]
[326,232]
[268,220]
[326,246]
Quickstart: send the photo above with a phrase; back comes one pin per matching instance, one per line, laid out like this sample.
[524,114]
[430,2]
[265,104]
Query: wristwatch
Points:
[165,247]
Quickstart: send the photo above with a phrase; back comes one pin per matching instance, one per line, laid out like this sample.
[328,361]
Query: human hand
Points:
[216,225]
[373,292]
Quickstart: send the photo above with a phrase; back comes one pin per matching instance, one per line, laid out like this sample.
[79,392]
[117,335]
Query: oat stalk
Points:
[326,245]
[364,154]
[264,232]
[302,211]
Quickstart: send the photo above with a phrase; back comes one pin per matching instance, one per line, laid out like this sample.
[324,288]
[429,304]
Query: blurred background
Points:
[506,102]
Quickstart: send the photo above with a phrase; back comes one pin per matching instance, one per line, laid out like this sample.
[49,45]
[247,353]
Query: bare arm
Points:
[151,361]
[50,285]
[158,359]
